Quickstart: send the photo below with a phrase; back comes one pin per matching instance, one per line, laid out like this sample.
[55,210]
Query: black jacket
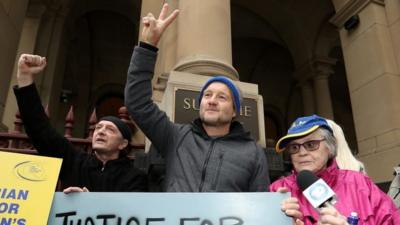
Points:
[78,168]
[194,161]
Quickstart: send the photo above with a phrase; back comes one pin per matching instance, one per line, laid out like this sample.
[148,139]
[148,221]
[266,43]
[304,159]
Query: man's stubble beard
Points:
[215,123]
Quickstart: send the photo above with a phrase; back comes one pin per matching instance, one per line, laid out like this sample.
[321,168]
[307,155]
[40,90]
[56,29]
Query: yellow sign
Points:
[27,185]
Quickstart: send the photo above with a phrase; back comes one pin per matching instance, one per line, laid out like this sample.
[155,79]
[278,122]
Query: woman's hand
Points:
[291,207]
[330,216]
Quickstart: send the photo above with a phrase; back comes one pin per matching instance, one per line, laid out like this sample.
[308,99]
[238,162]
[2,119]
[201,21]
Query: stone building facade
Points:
[339,59]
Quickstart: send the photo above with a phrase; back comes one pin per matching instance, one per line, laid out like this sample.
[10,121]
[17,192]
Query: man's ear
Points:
[123,144]
[234,110]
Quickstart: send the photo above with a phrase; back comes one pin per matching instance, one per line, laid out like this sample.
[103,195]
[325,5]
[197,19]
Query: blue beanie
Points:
[228,82]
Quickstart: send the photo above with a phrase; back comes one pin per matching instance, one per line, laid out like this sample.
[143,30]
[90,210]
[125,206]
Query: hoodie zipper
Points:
[221,158]
[103,167]
[204,170]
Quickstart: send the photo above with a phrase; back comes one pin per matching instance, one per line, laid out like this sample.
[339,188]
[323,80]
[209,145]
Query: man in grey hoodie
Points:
[213,153]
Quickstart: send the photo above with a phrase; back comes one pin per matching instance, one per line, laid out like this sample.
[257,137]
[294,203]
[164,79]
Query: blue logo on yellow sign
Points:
[31,171]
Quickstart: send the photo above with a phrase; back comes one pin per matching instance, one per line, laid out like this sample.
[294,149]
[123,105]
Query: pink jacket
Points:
[354,191]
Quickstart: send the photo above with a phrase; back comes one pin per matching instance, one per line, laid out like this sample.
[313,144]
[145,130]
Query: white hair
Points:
[330,141]
[344,157]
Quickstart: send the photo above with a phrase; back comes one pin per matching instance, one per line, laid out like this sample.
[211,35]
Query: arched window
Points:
[109,106]
[273,129]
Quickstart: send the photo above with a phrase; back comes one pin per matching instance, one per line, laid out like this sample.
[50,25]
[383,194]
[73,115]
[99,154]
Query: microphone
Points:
[316,191]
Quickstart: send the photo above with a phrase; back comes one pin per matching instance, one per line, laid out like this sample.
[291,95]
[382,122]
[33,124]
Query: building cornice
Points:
[351,8]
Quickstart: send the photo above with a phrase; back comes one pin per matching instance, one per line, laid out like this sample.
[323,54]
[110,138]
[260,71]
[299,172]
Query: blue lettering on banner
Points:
[12,221]
[13,194]
[9,208]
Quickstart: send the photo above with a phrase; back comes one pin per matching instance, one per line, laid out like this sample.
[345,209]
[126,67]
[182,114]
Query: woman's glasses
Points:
[311,145]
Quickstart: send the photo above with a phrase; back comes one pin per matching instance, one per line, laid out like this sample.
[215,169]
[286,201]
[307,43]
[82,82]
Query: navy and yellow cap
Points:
[302,126]
[237,98]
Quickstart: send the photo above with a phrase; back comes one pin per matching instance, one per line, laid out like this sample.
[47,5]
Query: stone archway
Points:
[99,40]
[107,99]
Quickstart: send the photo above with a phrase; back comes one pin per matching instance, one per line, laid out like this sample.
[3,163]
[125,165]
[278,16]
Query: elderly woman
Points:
[312,146]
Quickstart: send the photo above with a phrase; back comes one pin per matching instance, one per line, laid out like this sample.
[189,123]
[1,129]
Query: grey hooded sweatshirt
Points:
[195,162]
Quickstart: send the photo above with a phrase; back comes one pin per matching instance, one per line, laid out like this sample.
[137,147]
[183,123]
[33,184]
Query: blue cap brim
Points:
[281,144]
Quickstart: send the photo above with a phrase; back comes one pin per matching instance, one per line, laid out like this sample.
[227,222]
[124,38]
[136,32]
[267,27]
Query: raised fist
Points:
[31,63]
[28,65]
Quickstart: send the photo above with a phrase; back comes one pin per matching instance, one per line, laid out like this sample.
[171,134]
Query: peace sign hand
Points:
[154,28]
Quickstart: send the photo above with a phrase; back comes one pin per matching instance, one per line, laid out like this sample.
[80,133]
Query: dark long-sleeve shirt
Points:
[78,168]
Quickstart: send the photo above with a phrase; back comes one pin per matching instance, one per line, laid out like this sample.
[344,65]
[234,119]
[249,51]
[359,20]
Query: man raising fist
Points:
[107,169]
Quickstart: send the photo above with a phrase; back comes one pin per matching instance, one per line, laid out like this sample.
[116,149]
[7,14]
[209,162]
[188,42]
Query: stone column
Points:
[373,78]
[204,38]
[166,56]
[27,44]
[12,14]
[307,93]
[393,19]
[322,96]
[166,59]
[51,44]
[323,69]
